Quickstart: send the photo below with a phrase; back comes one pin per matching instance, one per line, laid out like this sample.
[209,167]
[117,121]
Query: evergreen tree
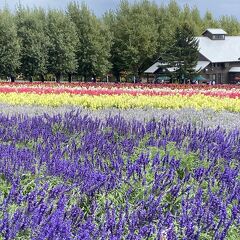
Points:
[197,21]
[209,21]
[34,42]
[230,24]
[174,11]
[63,44]
[9,45]
[94,42]
[182,54]
[186,13]
[190,16]
[169,17]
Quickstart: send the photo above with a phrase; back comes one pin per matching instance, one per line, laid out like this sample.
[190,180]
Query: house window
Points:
[226,65]
[214,77]
[218,37]
[216,65]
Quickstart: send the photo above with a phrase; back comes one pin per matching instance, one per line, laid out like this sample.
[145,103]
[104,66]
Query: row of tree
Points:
[35,42]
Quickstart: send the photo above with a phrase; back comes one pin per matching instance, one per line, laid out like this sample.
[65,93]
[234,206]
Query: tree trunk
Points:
[117,77]
[42,78]
[12,78]
[94,79]
[139,79]
[58,77]
[85,78]
[30,79]
[70,77]
[134,79]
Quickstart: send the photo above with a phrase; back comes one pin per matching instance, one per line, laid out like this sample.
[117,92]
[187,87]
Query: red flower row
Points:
[122,85]
[134,92]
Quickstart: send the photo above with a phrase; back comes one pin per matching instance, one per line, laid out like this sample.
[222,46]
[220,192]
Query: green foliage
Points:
[209,21]
[9,44]
[94,41]
[34,42]
[31,25]
[4,188]
[182,53]
[135,36]
[230,24]
[233,233]
[23,235]
[63,43]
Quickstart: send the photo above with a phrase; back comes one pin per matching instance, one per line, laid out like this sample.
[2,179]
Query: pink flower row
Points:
[222,93]
[118,85]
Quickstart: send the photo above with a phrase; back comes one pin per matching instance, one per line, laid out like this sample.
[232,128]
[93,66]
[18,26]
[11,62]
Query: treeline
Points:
[35,42]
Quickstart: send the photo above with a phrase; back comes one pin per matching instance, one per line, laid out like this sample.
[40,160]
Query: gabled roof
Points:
[201,65]
[227,50]
[235,70]
[153,68]
[157,65]
[215,31]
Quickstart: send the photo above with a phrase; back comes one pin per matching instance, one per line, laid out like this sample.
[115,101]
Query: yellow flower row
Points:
[122,101]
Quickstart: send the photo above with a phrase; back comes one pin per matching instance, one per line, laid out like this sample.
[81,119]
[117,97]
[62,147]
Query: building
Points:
[219,58]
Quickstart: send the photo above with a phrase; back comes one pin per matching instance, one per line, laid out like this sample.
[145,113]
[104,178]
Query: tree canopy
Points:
[182,53]
[135,35]
[94,41]
[63,44]
[9,45]
[31,31]
[126,40]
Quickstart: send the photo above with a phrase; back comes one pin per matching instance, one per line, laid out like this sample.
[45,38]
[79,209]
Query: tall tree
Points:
[166,28]
[117,62]
[9,45]
[209,21]
[117,58]
[230,24]
[63,44]
[94,41]
[197,21]
[182,54]
[186,13]
[34,42]
[135,36]
[174,10]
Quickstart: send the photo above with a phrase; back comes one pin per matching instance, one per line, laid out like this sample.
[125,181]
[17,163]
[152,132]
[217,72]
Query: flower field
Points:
[122,96]
[119,161]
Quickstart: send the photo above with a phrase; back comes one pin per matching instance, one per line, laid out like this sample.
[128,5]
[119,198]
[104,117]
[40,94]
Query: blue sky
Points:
[217,7]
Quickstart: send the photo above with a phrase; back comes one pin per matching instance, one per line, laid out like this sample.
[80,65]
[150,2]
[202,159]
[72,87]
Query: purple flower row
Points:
[75,177]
